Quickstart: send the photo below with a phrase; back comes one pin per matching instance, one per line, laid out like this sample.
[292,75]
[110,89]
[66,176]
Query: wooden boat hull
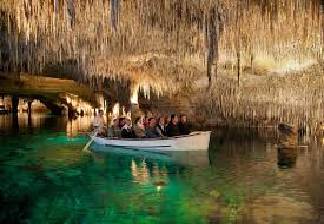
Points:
[196,141]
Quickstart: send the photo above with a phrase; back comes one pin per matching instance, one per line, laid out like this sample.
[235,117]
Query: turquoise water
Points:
[47,178]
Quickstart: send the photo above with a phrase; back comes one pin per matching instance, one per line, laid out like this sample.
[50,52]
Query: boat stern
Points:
[196,141]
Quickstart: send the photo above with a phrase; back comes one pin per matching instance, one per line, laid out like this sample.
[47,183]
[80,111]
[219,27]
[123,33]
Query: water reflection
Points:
[139,172]
[200,159]
[287,157]
[24,123]
[242,179]
[78,126]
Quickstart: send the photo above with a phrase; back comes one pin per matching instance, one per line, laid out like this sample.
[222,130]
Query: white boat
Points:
[195,141]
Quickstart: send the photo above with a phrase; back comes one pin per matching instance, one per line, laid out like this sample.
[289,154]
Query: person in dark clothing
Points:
[172,128]
[183,125]
[122,122]
[161,126]
[127,131]
[152,130]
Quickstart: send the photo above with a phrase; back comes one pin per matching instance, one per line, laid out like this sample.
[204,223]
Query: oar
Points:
[85,149]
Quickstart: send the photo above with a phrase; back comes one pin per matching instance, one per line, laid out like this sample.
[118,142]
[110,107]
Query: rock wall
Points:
[296,99]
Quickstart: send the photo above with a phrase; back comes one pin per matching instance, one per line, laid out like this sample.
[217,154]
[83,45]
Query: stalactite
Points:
[238,40]
[56,6]
[162,38]
[212,36]
[71,12]
[114,11]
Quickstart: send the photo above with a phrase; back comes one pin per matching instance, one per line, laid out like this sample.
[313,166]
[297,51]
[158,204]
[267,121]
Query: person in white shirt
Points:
[99,124]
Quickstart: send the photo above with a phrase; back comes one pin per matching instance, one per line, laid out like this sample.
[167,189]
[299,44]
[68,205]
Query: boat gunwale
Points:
[153,139]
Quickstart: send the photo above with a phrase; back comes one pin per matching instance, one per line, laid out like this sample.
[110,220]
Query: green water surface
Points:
[47,178]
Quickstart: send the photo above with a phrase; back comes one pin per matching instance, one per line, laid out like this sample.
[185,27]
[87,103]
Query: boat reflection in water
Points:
[182,158]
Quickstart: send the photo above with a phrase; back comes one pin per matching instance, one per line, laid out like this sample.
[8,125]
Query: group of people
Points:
[144,127]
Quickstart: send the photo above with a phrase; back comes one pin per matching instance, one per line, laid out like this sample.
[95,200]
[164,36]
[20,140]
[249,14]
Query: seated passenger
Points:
[146,122]
[114,131]
[152,131]
[99,124]
[127,131]
[122,122]
[161,126]
[183,125]
[138,128]
[172,128]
